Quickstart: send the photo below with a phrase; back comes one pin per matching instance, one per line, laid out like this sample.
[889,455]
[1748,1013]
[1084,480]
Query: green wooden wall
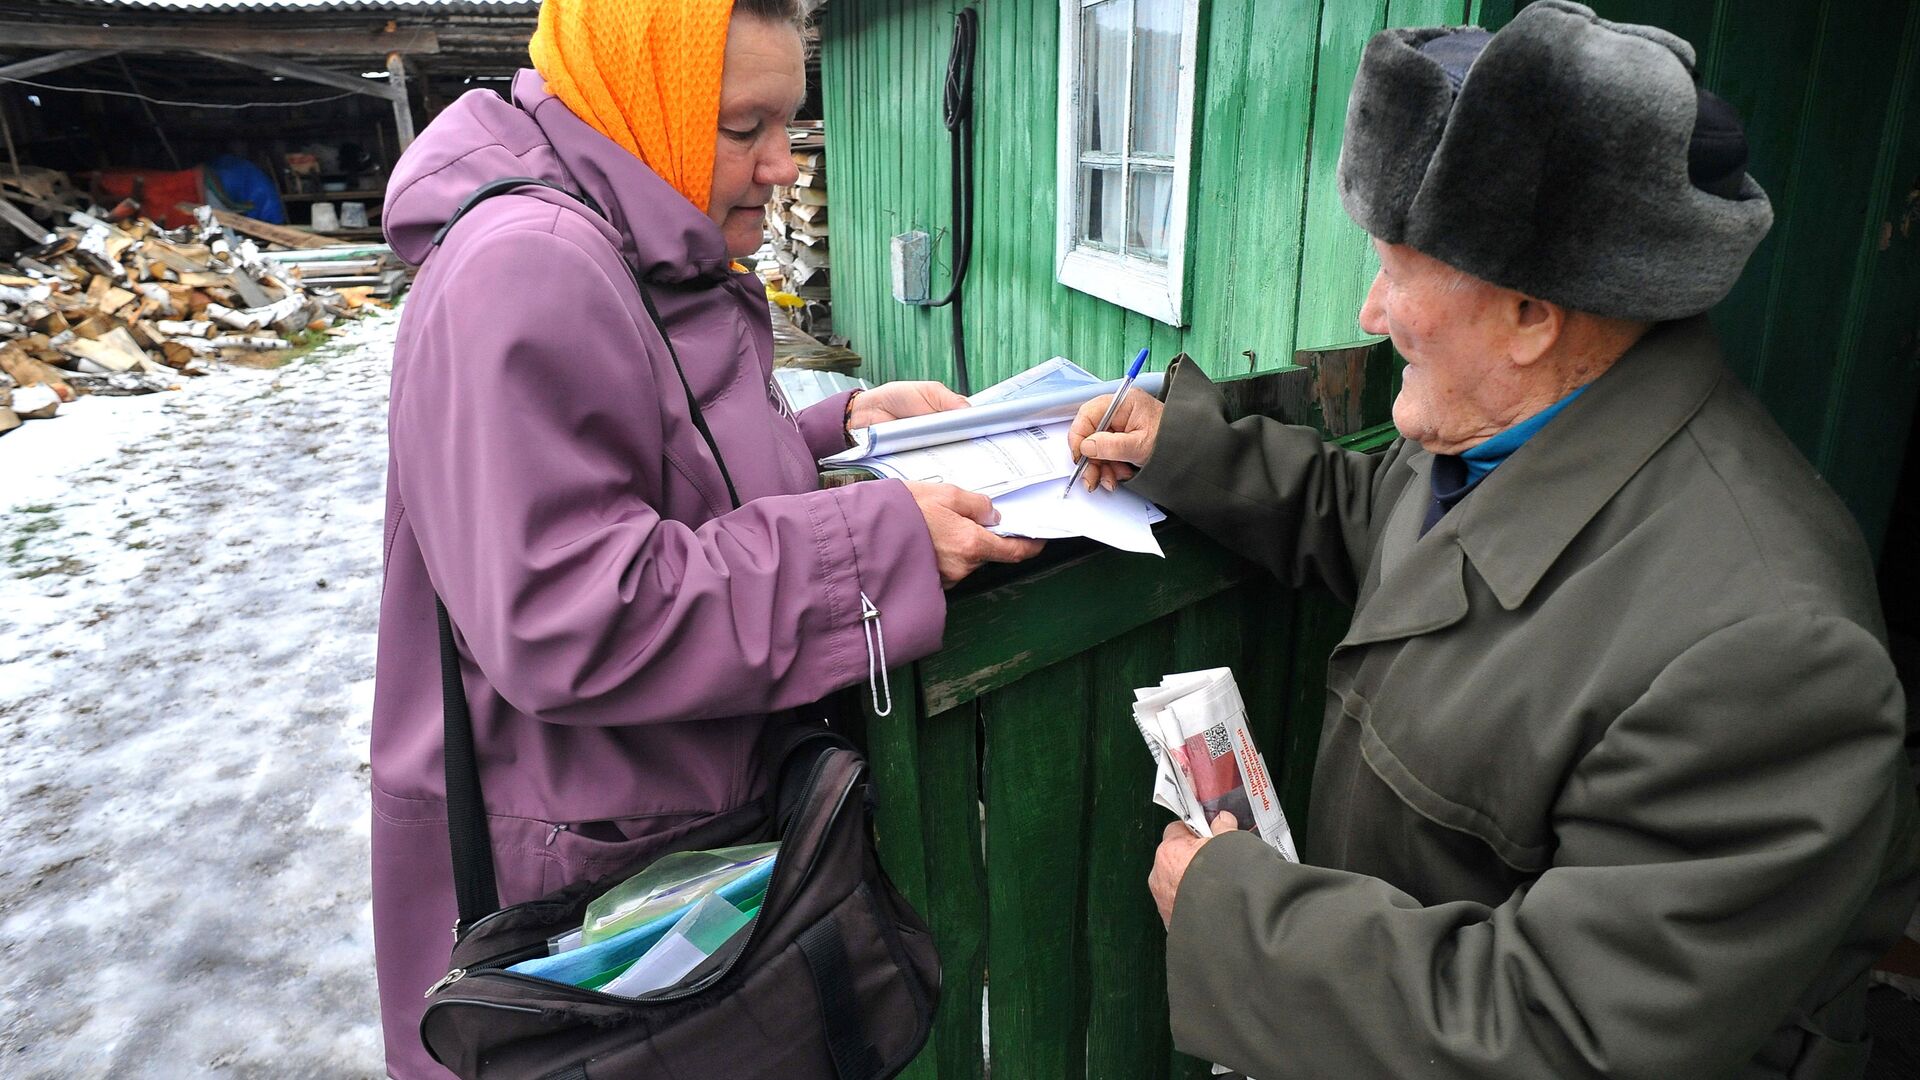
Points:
[1825,324]
[1014,799]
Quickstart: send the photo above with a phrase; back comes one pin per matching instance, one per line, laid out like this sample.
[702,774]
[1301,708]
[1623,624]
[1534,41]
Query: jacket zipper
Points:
[599,997]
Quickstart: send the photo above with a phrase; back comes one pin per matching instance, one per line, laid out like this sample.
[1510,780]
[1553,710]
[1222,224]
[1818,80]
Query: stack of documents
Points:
[1011,446]
[1195,726]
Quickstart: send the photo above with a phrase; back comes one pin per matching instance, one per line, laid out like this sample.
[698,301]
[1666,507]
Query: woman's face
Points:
[762,86]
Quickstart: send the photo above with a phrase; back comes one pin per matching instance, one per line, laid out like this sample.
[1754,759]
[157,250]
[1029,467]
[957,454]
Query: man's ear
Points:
[1536,328]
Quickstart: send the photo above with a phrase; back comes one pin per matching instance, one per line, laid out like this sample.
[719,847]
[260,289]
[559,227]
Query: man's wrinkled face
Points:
[1458,388]
[762,86]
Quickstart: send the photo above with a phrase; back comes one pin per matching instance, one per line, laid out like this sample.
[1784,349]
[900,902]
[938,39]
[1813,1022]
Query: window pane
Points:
[1103,77]
[1151,211]
[1156,75]
[1100,206]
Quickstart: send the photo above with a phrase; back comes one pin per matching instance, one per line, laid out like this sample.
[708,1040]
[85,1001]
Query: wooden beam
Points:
[402,110]
[40,65]
[260,230]
[305,72]
[182,39]
[28,227]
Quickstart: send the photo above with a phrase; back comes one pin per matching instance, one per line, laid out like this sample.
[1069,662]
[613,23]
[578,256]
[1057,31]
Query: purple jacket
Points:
[622,633]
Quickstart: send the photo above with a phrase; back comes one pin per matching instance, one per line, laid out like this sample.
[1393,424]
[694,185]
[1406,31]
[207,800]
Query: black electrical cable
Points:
[958,115]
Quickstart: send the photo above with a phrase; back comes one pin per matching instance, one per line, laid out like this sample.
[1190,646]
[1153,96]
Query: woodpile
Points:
[796,260]
[97,302]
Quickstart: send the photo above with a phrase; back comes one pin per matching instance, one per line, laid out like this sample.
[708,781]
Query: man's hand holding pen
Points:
[1114,455]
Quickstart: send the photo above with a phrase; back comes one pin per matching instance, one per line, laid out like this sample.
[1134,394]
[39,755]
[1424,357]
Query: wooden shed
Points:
[152,85]
[1102,220]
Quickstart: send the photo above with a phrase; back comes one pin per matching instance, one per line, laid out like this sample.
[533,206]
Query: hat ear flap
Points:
[1395,118]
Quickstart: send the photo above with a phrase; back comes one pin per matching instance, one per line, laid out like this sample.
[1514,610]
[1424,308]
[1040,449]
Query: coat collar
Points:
[1519,520]
[1524,515]
[665,237]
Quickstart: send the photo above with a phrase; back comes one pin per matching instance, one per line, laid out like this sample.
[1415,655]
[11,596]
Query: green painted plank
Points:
[1880,377]
[1035,783]
[1762,63]
[950,799]
[892,746]
[1692,20]
[1217,248]
[1857,54]
[1493,14]
[1006,631]
[1337,263]
[1127,1034]
[1271,182]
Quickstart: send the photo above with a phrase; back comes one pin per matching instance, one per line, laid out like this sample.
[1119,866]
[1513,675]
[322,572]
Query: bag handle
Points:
[476,893]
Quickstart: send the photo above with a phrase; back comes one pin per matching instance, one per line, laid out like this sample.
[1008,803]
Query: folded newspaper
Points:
[1195,726]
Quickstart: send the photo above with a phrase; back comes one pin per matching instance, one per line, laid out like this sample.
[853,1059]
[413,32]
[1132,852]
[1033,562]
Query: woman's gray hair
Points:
[787,11]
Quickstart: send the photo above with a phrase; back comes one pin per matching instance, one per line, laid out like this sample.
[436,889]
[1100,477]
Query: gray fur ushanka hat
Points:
[1551,158]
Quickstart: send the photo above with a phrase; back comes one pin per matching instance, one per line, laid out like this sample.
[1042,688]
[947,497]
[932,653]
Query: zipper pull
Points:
[878,683]
[556,831]
[446,980]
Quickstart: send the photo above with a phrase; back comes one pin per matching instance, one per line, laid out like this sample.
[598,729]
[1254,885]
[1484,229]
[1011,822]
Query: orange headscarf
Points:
[644,73]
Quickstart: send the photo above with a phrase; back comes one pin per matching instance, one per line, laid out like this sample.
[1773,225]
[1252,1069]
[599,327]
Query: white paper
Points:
[806,386]
[1118,519]
[1058,373]
[1020,462]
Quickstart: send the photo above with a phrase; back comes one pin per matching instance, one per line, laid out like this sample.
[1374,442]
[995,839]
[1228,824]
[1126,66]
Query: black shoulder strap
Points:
[475,891]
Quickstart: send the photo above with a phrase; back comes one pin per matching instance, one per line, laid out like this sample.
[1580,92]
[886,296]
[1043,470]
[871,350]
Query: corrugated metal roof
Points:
[476,7]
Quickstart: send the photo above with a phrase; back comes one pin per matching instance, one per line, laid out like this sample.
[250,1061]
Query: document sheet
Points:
[1011,446]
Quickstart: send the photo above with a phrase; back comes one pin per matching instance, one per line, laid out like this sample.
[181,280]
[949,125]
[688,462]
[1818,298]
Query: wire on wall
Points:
[181,104]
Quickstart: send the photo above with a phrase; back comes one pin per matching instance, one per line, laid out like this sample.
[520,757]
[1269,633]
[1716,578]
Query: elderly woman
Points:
[636,582]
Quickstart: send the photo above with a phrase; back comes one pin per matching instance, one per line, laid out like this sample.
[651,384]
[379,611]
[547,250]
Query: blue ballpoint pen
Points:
[1126,384]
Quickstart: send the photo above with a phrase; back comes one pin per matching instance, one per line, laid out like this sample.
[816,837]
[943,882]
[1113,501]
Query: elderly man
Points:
[1610,782]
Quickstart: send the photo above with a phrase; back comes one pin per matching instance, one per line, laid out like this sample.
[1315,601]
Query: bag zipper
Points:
[600,997]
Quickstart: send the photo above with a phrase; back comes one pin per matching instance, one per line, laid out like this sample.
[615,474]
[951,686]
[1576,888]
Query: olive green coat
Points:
[1611,779]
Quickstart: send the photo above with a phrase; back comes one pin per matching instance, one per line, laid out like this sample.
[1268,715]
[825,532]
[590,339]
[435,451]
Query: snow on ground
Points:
[188,598]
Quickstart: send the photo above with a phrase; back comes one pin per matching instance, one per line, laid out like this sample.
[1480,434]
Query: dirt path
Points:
[188,588]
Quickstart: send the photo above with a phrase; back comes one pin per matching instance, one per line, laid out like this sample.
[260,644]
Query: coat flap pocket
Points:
[1394,771]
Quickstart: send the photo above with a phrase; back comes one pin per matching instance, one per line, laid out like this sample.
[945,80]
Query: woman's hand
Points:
[961,544]
[1116,453]
[897,400]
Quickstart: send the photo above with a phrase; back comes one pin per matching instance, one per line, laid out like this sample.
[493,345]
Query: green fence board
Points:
[1762,65]
[1873,412]
[892,743]
[1036,778]
[1001,633]
[1339,254]
[950,801]
[1270,188]
[1126,1034]
[1821,240]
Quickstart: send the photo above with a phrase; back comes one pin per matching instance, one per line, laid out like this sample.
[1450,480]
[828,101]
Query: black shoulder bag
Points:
[835,978]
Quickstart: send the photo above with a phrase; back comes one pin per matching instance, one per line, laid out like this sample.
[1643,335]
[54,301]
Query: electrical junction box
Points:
[912,267]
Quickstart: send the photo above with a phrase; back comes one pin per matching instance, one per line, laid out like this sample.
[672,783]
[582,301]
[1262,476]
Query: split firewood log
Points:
[28,371]
[249,341]
[37,402]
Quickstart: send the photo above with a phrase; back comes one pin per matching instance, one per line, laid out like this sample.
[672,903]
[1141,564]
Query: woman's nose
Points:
[777,166]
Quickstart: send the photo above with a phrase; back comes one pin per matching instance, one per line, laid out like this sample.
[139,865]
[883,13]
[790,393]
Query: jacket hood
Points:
[482,137]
